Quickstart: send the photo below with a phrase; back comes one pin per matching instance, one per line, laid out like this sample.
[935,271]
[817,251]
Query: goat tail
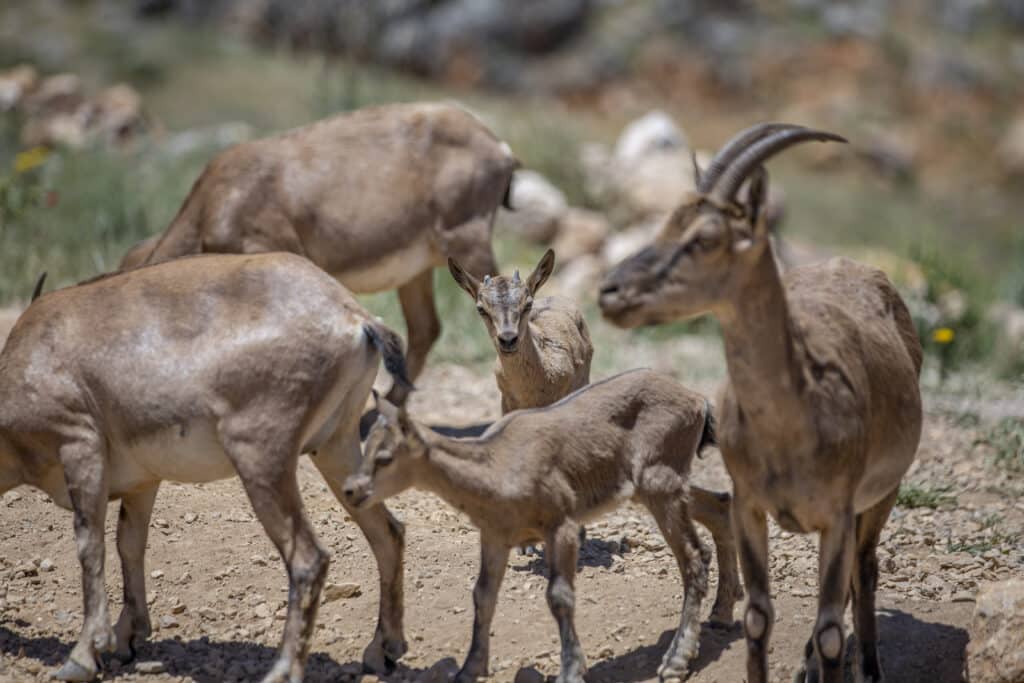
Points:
[707,435]
[389,344]
[39,287]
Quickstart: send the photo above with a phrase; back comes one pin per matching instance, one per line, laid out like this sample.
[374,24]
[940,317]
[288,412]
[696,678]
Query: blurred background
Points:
[109,110]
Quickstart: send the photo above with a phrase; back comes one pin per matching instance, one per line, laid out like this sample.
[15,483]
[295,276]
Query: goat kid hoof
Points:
[73,671]
[281,673]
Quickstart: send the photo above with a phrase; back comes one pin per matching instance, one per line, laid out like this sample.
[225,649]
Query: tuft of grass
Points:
[995,539]
[1006,438]
[913,496]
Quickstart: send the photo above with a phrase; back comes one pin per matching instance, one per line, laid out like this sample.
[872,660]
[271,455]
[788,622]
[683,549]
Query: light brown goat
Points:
[821,414]
[543,345]
[538,474]
[377,198]
[195,370]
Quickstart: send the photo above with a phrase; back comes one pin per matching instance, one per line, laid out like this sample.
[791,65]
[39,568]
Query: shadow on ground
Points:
[642,663]
[917,651]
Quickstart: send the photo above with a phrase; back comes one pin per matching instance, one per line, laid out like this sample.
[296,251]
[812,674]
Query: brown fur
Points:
[377,198]
[821,415]
[538,474]
[196,370]
[550,351]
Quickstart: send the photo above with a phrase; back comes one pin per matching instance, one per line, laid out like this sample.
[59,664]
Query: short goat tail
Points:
[707,435]
[389,344]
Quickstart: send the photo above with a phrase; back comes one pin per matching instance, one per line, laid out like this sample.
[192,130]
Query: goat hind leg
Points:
[423,326]
[562,549]
[133,626]
[386,536]
[493,560]
[712,511]
[693,558]
[864,583]
[268,476]
[84,470]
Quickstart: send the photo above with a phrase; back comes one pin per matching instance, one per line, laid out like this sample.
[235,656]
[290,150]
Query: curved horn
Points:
[757,153]
[731,149]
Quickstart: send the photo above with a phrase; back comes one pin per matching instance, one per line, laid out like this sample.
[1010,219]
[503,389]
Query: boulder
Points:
[1011,147]
[538,207]
[995,652]
[652,133]
[580,232]
[116,114]
[58,94]
[15,84]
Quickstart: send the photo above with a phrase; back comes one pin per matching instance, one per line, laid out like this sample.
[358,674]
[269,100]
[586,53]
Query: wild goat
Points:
[538,474]
[821,414]
[196,370]
[377,198]
[543,345]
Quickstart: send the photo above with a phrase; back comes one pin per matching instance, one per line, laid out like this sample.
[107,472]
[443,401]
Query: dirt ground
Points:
[217,588]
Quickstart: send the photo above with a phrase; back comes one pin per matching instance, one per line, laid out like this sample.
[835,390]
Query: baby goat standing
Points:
[537,474]
[543,346]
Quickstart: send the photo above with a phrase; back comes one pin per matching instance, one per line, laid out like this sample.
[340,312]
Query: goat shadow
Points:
[454,431]
[203,660]
[642,663]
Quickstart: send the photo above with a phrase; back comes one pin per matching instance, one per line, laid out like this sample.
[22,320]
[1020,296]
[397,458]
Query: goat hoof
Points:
[74,671]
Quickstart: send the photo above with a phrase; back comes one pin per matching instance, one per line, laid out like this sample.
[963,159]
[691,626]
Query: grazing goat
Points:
[543,345]
[377,198]
[538,474]
[195,370]
[821,413]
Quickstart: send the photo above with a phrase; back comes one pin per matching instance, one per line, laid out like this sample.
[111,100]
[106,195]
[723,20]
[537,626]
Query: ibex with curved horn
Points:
[821,413]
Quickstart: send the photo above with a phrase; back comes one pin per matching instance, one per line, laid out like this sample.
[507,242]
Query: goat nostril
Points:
[349,491]
[508,342]
[608,289]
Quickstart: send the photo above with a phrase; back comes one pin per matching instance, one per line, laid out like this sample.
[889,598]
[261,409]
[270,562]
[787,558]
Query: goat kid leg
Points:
[422,325]
[864,583]
[562,550]
[493,560]
[133,626]
[751,529]
[824,658]
[693,558]
[85,474]
[712,511]
[267,472]
[386,536]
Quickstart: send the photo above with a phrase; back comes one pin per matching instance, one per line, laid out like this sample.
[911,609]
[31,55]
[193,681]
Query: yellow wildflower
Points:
[943,335]
[30,158]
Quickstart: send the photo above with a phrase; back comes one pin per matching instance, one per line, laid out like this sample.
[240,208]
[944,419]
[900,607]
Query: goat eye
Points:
[528,305]
[383,460]
[481,310]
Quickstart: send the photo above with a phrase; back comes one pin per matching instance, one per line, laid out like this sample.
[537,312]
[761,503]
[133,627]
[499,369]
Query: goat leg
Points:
[751,528]
[133,626]
[493,560]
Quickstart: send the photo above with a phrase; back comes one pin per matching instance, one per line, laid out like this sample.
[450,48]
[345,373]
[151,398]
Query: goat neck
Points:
[761,354]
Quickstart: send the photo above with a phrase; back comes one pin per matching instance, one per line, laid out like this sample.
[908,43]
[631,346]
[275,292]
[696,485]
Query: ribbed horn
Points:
[759,152]
[733,148]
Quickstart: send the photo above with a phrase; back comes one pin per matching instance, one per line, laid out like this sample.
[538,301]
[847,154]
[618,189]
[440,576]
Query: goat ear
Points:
[540,274]
[757,198]
[465,280]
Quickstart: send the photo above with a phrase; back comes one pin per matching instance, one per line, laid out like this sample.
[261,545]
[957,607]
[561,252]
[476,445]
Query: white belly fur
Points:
[392,271]
[187,453]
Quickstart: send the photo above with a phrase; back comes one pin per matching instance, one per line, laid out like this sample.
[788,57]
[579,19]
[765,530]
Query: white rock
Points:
[651,133]
[995,653]
[538,206]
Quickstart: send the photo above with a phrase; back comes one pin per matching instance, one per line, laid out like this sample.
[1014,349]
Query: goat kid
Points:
[538,474]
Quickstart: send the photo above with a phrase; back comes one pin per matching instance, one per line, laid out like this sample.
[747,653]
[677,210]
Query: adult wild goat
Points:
[821,413]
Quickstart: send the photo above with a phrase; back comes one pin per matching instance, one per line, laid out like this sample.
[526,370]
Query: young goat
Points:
[537,474]
[543,345]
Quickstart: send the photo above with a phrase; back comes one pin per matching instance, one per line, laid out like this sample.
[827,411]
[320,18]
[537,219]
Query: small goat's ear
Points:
[462,276]
[757,197]
[540,274]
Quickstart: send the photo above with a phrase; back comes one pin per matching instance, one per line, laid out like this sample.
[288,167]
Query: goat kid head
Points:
[709,247]
[393,447]
[504,303]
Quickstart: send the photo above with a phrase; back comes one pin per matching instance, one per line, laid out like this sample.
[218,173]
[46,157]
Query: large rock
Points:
[652,133]
[1011,147]
[538,207]
[995,653]
[15,84]
[116,114]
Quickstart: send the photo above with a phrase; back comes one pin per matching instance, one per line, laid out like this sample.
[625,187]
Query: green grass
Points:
[993,541]
[913,496]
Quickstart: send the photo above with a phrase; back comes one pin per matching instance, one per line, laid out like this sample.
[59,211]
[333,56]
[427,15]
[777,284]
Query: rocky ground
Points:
[217,589]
